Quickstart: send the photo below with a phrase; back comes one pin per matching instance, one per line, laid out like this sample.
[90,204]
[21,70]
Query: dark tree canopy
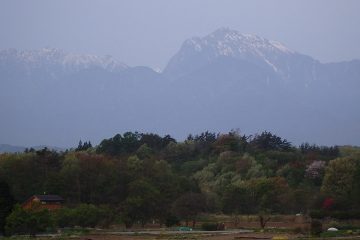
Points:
[83,146]
[189,205]
[6,203]
[269,141]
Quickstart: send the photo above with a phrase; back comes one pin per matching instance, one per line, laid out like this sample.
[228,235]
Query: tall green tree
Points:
[142,202]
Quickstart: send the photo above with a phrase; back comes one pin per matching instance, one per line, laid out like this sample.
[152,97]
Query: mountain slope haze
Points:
[218,82]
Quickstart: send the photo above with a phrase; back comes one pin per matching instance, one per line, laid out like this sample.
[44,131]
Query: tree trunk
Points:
[236,220]
[263,220]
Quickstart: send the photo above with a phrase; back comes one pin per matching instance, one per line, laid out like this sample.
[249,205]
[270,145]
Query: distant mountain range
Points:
[222,81]
[6,148]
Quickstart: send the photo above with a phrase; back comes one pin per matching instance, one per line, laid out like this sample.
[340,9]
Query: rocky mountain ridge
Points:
[218,82]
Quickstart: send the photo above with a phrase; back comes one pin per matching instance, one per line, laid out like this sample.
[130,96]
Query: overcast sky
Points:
[143,32]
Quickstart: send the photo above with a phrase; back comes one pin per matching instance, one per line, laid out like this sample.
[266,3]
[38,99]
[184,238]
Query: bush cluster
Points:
[213,226]
[32,221]
[316,228]
[84,215]
[320,214]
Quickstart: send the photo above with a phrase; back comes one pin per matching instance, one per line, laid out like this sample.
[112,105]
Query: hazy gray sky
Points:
[143,32]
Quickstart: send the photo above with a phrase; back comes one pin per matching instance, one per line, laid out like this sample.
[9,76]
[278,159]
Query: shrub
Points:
[84,215]
[17,221]
[213,226]
[329,234]
[31,222]
[172,220]
[320,214]
[64,217]
[297,230]
[345,214]
[316,227]
[317,214]
[107,216]
[209,226]
[332,223]
[280,238]
[348,227]
[87,215]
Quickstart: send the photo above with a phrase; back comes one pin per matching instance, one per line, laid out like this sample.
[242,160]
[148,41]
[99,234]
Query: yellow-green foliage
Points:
[280,238]
[349,151]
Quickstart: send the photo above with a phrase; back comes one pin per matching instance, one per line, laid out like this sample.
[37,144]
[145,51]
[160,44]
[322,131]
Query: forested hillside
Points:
[143,177]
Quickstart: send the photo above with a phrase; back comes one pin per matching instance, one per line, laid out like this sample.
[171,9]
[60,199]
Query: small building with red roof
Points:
[50,202]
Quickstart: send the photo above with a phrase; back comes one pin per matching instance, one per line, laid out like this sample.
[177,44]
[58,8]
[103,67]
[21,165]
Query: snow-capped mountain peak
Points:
[225,42]
[229,42]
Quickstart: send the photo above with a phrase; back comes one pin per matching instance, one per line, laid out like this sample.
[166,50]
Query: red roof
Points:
[49,198]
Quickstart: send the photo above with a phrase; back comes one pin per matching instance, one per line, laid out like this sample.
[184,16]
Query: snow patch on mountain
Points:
[53,56]
[224,42]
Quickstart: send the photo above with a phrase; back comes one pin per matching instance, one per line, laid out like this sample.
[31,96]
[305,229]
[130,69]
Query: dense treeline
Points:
[143,177]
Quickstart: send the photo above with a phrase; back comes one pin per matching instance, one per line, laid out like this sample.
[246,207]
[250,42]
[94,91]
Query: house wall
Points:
[34,203]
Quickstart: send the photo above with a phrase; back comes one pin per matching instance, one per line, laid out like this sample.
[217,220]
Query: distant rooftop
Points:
[49,198]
